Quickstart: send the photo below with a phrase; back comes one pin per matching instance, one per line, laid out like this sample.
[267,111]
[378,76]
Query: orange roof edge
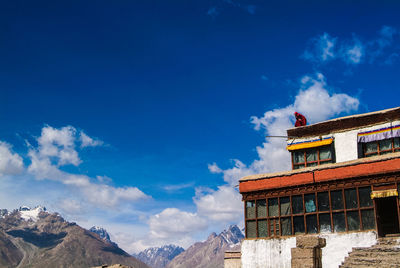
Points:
[321,175]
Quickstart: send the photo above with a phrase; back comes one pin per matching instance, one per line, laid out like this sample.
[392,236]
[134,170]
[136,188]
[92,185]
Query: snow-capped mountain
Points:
[31,214]
[102,233]
[159,257]
[35,238]
[3,212]
[210,253]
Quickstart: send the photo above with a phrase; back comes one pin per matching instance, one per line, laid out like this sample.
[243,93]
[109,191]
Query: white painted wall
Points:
[346,146]
[266,253]
[276,253]
[338,246]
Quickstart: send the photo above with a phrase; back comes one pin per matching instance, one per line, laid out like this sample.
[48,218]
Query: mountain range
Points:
[207,254]
[159,257]
[35,238]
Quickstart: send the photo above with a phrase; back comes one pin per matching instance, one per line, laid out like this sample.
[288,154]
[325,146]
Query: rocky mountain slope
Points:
[103,234]
[210,253]
[31,238]
[159,257]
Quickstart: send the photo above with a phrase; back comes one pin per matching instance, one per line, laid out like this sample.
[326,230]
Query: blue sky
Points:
[140,116]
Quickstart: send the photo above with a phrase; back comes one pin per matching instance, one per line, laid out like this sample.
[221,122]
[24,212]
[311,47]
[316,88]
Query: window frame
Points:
[317,162]
[379,151]
[274,223]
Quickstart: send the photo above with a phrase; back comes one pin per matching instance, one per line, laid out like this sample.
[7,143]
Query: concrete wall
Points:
[276,253]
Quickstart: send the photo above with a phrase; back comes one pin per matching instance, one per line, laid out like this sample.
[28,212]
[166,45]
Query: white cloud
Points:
[224,205]
[10,163]
[175,226]
[56,147]
[177,187]
[213,168]
[315,101]
[353,51]
[58,144]
[87,141]
[322,48]
[353,54]
[71,207]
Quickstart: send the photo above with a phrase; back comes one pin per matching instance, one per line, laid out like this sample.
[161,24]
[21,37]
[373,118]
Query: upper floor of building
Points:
[345,139]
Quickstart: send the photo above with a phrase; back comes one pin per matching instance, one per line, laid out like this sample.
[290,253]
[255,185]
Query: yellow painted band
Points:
[306,145]
[384,193]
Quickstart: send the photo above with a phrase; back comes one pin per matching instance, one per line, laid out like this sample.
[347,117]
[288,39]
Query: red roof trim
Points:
[339,173]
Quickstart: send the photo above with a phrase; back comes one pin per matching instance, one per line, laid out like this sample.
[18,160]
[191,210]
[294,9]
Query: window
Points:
[338,210]
[312,157]
[381,147]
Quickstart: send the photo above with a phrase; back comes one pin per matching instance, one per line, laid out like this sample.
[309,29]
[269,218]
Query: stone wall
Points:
[308,252]
[232,259]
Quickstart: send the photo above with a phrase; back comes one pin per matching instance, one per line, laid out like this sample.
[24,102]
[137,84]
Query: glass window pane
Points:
[385,144]
[371,147]
[351,198]
[250,209]
[311,221]
[261,208]
[274,223]
[298,157]
[338,222]
[325,153]
[262,228]
[298,224]
[396,142]
[337,200]
[323,201]
[364,194]
[286,224]
[273,207]
[251,229]
[298,166]
[297,202]
[309,201]
[368,219]
[312,164]
[325,223]
[312,155]
[285,206]
[353,222]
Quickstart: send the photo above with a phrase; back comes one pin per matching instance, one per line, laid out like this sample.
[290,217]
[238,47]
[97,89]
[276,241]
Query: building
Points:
[343,187]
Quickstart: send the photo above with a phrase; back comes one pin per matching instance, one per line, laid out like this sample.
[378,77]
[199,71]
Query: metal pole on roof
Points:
[288,137]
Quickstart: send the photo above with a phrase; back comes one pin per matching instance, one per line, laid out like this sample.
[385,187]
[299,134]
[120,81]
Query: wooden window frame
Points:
[379,151]
[274,223]
[318,161]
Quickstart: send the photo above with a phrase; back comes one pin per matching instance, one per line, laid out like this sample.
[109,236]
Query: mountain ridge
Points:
[206,254]
[210,253]
[47,240]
